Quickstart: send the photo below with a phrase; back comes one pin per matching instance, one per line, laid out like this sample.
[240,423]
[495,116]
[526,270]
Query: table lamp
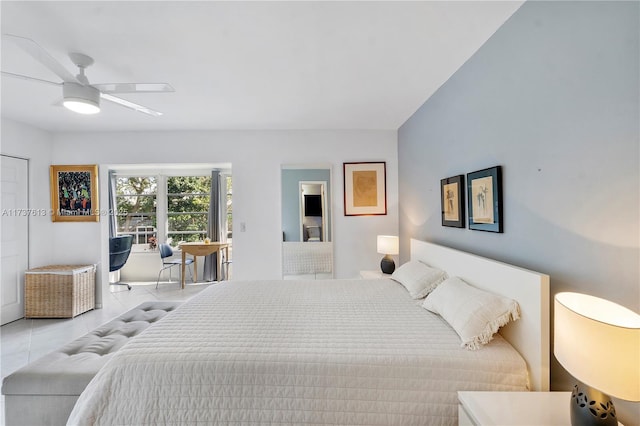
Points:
[388,245]
[598,343]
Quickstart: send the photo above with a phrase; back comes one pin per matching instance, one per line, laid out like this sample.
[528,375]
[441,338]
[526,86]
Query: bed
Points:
[321,352]
[312,260]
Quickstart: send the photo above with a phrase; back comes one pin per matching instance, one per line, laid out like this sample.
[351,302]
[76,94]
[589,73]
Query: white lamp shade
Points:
[598,342]
[388,244]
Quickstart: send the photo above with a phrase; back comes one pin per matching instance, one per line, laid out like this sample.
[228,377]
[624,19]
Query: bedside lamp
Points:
[598,342]
[388,245]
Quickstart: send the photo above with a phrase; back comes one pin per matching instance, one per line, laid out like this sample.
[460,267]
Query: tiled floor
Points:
[26,340]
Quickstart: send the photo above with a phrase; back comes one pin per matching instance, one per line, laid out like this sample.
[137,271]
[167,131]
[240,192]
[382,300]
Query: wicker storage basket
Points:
[59,291]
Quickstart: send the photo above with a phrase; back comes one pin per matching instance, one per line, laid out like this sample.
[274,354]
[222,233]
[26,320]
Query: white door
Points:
[14,235]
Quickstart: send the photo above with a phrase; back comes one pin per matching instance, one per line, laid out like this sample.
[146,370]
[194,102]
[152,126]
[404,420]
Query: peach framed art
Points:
[484,194]
[365,191]
[452,201]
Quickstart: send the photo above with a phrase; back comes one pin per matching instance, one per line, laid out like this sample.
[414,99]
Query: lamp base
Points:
[591,407]
[387,265]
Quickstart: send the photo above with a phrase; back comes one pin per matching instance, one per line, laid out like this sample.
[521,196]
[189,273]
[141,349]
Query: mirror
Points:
[313,211]
[306,221]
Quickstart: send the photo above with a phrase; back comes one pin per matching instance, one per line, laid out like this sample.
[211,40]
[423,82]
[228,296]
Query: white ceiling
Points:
[246,65]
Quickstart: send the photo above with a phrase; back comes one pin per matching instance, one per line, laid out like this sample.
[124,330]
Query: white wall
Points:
[23,141]
[256,157]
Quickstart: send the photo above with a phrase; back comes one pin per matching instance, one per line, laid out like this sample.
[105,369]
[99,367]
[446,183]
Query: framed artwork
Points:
[452,201]
[365,191]
[74,193]
[484,192]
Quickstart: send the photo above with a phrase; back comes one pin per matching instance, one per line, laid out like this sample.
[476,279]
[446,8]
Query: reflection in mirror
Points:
[306,221]
[313,211]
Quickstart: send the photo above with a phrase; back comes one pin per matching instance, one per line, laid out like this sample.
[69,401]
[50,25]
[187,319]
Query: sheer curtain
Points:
[214,231]
[113,207]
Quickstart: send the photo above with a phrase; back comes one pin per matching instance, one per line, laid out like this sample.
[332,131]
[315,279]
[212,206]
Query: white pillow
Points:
[418,278]
[476,315]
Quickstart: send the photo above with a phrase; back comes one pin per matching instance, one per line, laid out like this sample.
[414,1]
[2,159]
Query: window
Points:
[188,207]
[136,206]
[170,207]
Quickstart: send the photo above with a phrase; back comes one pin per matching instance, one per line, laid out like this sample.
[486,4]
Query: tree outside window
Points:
[187,208]
[184,212]
[136,207]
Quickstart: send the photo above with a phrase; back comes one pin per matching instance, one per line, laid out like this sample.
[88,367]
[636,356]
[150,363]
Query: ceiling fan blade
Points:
[26,77]
[42,56]
[131,105]
[134,87]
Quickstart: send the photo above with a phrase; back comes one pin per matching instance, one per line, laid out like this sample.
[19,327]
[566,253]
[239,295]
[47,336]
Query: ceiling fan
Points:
[78,94]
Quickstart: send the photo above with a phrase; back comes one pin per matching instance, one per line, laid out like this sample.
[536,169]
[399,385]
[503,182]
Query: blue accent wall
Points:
[552,97]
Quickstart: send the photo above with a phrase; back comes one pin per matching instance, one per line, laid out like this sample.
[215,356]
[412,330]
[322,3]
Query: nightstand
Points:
[514,408]
[373,275]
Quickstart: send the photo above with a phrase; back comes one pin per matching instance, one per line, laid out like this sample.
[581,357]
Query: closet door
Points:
[15,236]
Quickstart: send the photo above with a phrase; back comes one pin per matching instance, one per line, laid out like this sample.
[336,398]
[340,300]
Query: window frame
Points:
[162,196]
[136,234]
[168,214]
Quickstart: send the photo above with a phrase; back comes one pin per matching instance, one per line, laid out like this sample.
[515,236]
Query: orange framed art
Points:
[74,193]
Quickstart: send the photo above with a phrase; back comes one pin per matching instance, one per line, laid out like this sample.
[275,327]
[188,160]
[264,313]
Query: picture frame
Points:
[74,193]
[484,195]
[452,201]
[365,188]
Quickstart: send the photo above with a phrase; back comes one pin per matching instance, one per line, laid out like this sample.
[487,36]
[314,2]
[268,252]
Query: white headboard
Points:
[530,334]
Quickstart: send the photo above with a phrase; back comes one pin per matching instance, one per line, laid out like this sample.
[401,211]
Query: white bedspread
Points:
[291,352]
[307,258]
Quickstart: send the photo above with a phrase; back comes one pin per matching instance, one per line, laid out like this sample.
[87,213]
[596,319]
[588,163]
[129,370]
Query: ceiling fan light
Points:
[81,99]
[81,106]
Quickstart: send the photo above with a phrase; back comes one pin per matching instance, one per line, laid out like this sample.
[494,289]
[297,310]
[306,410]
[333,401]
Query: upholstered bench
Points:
[45,391]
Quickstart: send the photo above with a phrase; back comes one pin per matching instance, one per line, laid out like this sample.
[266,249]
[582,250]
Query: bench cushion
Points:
[68,370]
[65,373]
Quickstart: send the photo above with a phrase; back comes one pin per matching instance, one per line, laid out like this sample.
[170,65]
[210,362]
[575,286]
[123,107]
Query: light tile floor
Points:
[26,340]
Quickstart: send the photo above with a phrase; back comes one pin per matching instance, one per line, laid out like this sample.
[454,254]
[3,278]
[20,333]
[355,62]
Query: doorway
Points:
[15,235]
